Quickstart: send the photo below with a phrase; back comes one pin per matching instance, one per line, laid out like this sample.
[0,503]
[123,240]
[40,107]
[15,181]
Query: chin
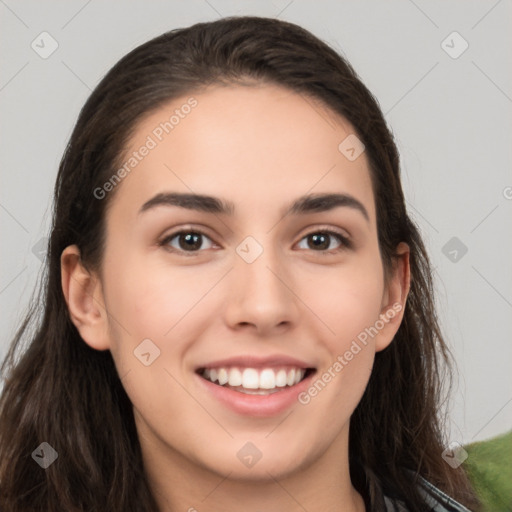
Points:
[240,467]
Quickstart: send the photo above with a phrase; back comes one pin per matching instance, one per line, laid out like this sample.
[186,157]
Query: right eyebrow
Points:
[210,204]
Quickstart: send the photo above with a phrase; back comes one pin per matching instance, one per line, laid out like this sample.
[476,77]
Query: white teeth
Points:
[222,376]
[235,377]
[267,379]
[281,378]
[250,378]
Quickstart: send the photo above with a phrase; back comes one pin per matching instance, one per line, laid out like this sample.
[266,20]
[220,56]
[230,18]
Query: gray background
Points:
[451,118]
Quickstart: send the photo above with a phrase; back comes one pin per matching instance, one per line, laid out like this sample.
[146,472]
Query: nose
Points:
[261,294]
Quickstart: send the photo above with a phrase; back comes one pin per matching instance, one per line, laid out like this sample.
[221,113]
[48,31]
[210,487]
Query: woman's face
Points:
[256,292]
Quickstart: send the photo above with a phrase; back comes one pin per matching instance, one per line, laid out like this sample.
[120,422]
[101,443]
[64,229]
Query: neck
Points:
[180,484]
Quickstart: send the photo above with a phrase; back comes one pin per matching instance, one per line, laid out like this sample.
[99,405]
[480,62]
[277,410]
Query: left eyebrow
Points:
[311,203]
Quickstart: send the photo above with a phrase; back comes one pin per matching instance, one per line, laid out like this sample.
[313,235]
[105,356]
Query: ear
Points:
[84,298]
[394,297]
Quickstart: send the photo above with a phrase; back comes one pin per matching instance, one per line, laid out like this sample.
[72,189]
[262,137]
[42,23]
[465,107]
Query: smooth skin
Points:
[261,147]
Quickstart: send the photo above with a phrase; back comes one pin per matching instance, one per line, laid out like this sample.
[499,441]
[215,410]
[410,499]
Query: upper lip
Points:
[251,361]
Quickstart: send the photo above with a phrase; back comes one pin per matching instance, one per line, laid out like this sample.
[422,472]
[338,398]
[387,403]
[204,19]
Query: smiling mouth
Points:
[252,381]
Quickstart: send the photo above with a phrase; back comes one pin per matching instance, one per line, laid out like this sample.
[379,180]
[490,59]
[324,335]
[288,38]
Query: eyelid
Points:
[344,238]
[343,233]
[183,230]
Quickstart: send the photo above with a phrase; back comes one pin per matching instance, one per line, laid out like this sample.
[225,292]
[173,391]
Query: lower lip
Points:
[257,405]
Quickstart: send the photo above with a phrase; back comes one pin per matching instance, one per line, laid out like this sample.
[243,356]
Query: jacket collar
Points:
[385,501]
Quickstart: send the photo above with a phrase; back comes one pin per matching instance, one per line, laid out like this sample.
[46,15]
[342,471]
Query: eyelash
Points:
[345,243]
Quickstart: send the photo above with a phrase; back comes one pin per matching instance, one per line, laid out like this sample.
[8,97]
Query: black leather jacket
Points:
[435,499]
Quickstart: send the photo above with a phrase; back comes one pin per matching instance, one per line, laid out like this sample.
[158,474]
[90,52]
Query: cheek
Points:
[171,308]
[350,305]
[348,300]
[150,299]
[152,303]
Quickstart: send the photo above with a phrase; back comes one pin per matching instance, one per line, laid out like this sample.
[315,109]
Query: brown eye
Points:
[185,241]
[321,241]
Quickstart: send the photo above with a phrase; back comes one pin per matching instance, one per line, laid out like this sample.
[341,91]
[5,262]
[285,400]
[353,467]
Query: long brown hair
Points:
[59,390]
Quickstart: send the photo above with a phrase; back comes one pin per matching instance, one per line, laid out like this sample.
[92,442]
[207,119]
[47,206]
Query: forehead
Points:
[259,145]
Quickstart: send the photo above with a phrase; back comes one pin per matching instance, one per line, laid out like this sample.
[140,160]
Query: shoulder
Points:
[434,498]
